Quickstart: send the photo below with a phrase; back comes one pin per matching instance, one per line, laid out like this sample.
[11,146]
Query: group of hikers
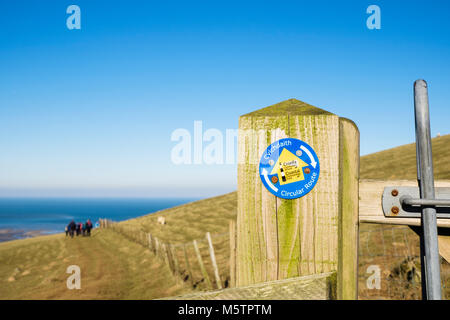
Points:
[79,228]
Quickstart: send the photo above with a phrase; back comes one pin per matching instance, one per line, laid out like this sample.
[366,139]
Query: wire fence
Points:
[202,263]
[390,266]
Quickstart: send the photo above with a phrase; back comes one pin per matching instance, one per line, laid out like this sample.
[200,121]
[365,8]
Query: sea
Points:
[24,217]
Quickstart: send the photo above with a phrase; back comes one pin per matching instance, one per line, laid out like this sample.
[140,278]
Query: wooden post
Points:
[202,266]
[278,238]
[169,256]
[348,233]
[213,261]
[150,242]
[161,250]
[166,256]
[173,254]
[156,246]
[188,265]
[232,253]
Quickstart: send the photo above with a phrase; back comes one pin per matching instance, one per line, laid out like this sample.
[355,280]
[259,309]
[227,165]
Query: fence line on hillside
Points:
[389,262]
[195,261]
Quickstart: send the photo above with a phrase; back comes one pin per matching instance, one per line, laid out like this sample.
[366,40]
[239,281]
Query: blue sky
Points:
[90,112]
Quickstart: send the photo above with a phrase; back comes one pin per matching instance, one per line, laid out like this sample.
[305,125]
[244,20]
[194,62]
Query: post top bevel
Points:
[291,107]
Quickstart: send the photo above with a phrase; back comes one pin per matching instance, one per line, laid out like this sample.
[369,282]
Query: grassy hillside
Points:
[112,267]
[400,162]
[190,221]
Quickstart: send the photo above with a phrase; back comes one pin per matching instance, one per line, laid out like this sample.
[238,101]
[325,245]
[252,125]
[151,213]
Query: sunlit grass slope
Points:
[400,162]
[112,267]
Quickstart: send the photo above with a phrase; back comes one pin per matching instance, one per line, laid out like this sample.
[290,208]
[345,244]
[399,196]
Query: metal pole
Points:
[425,202]
[431,269]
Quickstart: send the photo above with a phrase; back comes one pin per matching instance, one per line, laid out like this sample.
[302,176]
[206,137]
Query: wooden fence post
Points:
[202,266]
[317,233]
[166,256]
[348,233]
[232,253]
[213,261]
[188,265]
[173,254]
[156,246]
[150,242]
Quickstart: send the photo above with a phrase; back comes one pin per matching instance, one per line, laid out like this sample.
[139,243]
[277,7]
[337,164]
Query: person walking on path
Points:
[72,226]
[88,226]
[79,228]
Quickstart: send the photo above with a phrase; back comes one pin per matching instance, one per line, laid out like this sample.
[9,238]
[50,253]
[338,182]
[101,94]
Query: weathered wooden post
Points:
[173,254]
[313,234]
[213,261]
[150,242]
[166,256]
[232,253]
[157,248]
[201,264]
[188,265]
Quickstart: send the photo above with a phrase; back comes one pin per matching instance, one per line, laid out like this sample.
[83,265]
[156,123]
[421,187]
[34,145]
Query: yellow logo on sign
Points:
[289,168]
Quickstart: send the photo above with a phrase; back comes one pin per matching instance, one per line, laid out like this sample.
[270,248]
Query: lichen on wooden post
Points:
[278,238]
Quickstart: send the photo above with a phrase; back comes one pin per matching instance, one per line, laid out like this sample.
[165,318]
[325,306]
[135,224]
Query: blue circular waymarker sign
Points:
[289,168]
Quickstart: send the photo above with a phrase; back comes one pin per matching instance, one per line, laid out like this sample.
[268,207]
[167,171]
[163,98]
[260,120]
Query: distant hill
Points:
[400,162]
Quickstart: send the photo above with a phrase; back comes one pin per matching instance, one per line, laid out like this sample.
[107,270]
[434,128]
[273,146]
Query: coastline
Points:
[16,234]
[22,218]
